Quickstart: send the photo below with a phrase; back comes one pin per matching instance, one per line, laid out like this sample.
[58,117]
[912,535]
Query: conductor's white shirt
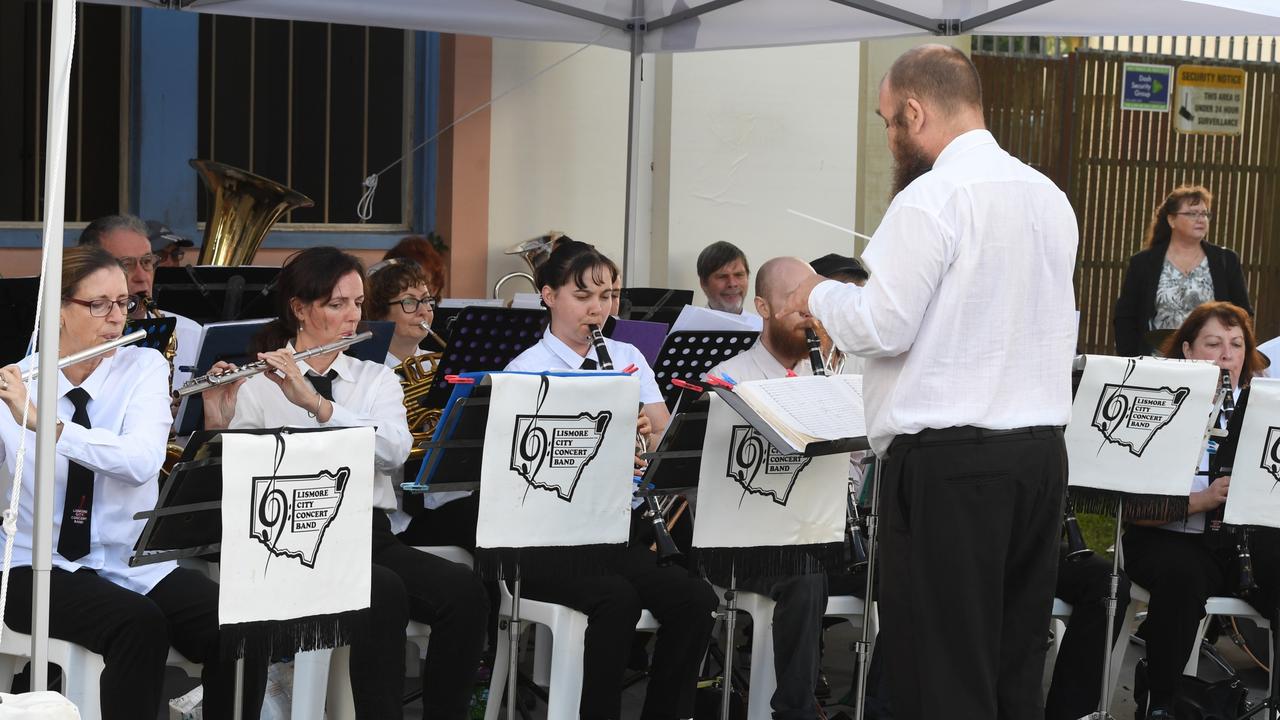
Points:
[129,414]
[969,315]
[551,354]
[365,394]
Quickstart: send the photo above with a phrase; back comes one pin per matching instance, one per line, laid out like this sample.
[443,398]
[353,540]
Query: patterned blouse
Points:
[1178,294]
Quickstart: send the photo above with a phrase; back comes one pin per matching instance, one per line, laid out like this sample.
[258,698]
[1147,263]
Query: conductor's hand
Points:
[1211,497]
[220,400]
[798,300]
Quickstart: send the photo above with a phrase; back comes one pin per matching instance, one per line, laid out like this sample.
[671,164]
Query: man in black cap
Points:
[167,245]
[842,269]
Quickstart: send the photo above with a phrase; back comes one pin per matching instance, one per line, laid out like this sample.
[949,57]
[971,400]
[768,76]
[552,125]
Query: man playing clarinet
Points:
[968,327]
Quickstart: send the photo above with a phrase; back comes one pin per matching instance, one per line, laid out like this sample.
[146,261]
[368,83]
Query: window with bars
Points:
[314,106]
[97,121]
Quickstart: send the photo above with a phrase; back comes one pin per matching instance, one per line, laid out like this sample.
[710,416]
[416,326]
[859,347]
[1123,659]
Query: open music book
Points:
[808,409]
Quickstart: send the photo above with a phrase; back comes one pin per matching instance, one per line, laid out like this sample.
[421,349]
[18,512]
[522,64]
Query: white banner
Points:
[558,461]
[1254,497]
[751,495]
[296,521]
[1138,424]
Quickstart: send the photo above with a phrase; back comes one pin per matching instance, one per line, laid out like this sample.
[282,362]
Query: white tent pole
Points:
[61,44]
[630,243]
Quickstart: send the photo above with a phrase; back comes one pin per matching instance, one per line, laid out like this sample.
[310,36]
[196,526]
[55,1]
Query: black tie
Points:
[589,364]
[77,506]
[323,383]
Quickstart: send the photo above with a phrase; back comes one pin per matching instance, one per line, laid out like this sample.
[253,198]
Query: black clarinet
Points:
[1077,548]
[1215,528]
[816,362]
[668,551]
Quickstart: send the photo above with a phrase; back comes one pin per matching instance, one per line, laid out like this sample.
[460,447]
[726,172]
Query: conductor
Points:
[968,327]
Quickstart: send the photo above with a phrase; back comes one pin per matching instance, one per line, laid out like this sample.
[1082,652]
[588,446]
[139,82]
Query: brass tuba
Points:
[534,252]
[244,208]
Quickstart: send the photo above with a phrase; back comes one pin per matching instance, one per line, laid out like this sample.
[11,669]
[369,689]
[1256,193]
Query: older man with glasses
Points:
[128,239]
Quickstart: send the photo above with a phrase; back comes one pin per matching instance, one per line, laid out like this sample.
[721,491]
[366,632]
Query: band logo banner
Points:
[555,479]
[1255,475]
[762,511]
[1138,428]
[296,513]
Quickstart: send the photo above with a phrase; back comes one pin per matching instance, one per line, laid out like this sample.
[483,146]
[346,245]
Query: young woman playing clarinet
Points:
[577,286]
[113,422]
[1177,561]
[321,292]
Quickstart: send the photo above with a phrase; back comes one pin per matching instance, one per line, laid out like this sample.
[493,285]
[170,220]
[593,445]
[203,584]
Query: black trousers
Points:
[683,604]
[1077,674]
[1181,571]
[800,601]
[970,527]
[133,633]
[453,523]
[408,584]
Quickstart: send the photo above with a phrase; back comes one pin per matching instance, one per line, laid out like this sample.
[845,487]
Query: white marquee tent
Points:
[634,26]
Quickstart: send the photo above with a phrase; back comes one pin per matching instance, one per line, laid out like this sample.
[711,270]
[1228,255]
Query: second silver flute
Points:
[204,382]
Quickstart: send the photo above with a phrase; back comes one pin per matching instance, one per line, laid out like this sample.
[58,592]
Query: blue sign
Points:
[1147,87]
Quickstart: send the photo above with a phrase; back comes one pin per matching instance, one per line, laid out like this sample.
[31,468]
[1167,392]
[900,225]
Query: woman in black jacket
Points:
[1177,272]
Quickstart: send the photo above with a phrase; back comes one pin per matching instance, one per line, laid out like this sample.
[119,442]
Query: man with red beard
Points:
[968,327]
[801,599]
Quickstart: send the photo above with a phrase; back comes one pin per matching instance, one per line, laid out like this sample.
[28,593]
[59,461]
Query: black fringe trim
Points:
[281,638]
[718,564]
[547,562]
[1136,507]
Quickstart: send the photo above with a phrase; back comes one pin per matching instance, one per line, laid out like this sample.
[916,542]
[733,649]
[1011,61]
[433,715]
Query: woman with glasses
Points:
[321,292]
[1177,272]
[113,421]
[399,292]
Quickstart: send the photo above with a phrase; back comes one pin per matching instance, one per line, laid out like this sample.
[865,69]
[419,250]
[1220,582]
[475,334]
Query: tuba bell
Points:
[244,208]
[534,252]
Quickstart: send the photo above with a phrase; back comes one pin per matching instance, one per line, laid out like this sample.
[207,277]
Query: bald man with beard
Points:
[801,599]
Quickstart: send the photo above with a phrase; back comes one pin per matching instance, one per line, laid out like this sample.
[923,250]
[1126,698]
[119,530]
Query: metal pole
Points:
[513,638]
[629,240]
[1104,712]
[864,644]
[730,625]
[61,44]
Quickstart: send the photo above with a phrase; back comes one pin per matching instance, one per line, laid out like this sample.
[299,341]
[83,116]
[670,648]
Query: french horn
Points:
[534,252]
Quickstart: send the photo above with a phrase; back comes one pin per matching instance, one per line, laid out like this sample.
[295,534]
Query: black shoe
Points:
[822,690]
[1159,714]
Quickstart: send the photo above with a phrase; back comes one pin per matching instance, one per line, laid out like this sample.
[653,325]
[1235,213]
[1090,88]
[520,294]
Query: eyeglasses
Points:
[410,304]
[148,262]
[176,254]
[102,306]
[1197,214]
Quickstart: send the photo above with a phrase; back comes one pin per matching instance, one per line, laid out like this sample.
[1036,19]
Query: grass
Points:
[1099,532]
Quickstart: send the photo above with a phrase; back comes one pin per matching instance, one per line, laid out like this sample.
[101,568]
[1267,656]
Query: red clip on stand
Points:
[687,386]
[458,380]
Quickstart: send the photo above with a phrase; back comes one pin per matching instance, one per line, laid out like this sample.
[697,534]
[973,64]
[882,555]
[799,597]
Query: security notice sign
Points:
[1210,100]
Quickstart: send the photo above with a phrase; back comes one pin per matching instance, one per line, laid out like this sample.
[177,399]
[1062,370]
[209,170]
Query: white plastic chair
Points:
[1216,605]
[322,678]
[763,679]
[81,669]
[567,632]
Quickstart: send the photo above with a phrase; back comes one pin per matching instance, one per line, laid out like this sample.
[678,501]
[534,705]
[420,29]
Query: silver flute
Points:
[90,353]
[212,380]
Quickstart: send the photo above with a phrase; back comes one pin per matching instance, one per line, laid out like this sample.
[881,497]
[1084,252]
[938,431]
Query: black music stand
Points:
[17,316]
[159,330]
[653,304]
[688,355]
[484,339]
[211,293]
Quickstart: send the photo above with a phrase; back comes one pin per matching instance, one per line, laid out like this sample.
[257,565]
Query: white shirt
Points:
[188,352]
[365,394]
[969,315]
[1194,523]
[551,354]
[125,447]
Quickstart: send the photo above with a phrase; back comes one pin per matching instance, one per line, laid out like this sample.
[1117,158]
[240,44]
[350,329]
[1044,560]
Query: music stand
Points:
[457,445]
[18,312]
[687,356]
[653,304]
[211,293]
[159,331]
[484,339]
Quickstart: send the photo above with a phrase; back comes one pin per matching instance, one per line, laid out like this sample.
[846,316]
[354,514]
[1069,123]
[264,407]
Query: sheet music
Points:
[821,407]
[699,319]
